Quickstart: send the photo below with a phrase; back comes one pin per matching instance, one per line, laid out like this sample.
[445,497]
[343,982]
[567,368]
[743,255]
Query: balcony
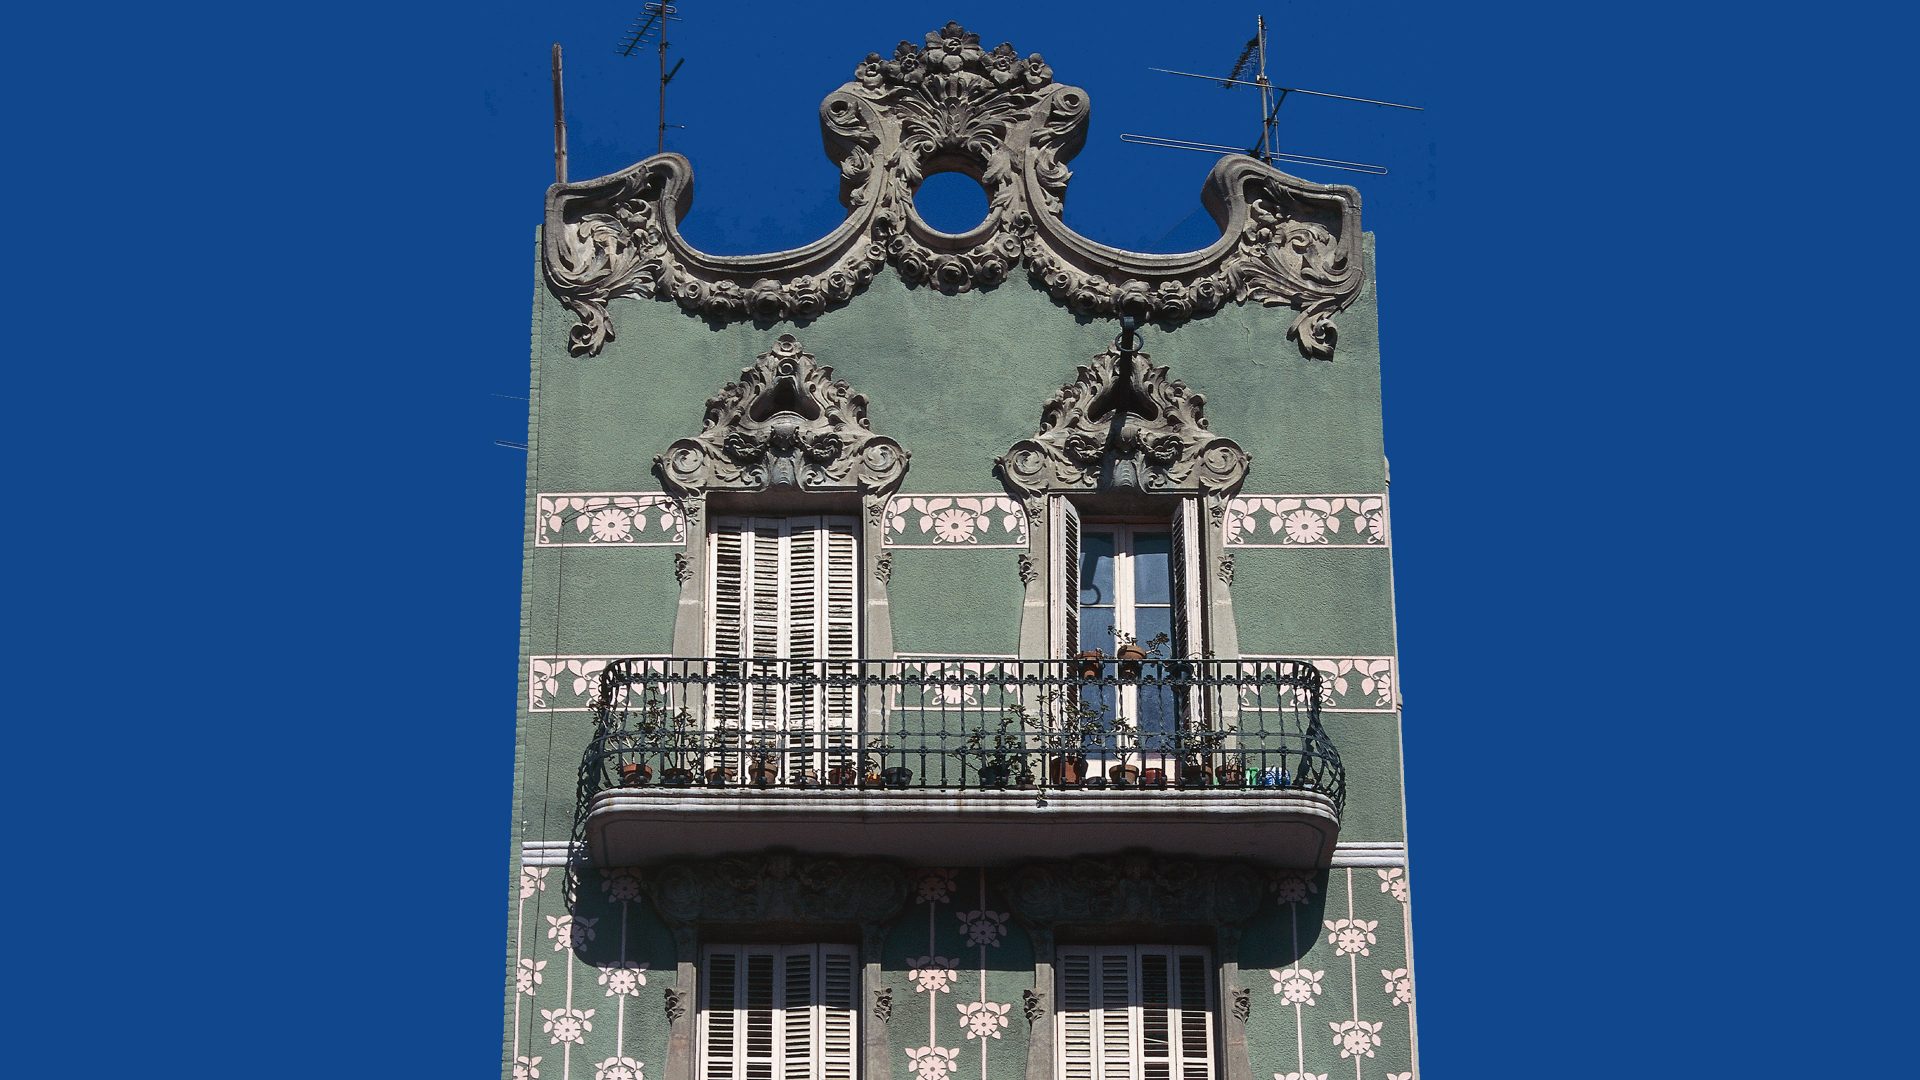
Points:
[958,760]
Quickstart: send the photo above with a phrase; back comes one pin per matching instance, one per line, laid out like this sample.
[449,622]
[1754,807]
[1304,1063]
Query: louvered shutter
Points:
[726,621]
[1194,993]
[719,1018]
[1064,540]
[839,633]
[839,1012]
[1189,587]
[1116,1025]
[1074,1016]
[802,611]
[799,1033]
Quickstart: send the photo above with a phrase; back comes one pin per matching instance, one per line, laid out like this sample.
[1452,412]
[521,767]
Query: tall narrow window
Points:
[778,1012]
[1135,1013]
[783,615]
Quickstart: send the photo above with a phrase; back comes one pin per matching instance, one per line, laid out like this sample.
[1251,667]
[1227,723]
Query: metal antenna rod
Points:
[559,122]
[656,14]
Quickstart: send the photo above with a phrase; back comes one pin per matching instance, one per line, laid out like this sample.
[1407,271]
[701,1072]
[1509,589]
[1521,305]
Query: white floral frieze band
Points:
[608,519]
[567,683]
[1347,684]
[977,521]
[1357,521]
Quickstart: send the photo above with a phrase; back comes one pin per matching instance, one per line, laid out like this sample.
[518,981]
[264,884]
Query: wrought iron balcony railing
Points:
[961,725]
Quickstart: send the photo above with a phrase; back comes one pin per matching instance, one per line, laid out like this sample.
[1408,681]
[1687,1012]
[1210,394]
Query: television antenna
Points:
[651,25]
[1271,98]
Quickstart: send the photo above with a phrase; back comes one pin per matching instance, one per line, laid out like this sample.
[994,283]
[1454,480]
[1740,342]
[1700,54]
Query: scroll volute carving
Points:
[1136,889]
[998,116]
[778,887]
[785,423]
[1124,424]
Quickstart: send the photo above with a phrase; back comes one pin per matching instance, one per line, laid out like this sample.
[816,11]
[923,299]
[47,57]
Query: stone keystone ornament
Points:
[786,423]
[999,117]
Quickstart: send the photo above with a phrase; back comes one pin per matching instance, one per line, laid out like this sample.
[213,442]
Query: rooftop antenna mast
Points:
[1267,148]
[651,25]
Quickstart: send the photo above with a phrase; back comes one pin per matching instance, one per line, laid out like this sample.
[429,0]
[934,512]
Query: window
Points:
[1134,1013]
[779,1012]
[784,587]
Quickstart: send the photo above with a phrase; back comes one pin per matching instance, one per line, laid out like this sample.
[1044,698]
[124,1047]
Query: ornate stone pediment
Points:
[997,116]
[778,888]
[1136,888]
[786,423]
[1123,423]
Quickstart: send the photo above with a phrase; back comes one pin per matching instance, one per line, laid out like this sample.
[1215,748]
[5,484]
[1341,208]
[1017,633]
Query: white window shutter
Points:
[1194,1021]
[1189,586]
[719,1016]
[839,629]
[839,1012]
[1117,1025]
[799,1032]
[727,606]
[1064,563]
[1074,1016]
[1134,1013]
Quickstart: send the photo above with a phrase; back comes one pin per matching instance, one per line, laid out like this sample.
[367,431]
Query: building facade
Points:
[957,654]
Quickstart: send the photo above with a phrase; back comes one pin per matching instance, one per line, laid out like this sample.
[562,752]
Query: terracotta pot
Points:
[993,776]
[1153,778]
[677,777]
[1090,665]
[897,777]
[842,775]
[1124,775]
[635,773]
[1067,770]
[764,772]
[720,776]
[1195,775]
[1233,776]
[1130,657]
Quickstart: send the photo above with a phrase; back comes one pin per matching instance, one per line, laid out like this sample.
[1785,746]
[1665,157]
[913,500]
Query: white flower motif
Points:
[610,526]
[1353,935]
[527,979]
[1394,881]
[1399,984]
[1356,1037]
[1294,887]
[672,521]
[567,932]
[983,927]
[954,526]
[533,879]
[1400,1076]
[1299,1076]
[621,884]
[984,1019]
[936,885]
[617,1068]
[567,1025]
[623,977]
[933,1062]
[1306,527]
[526,1068]
[1297,986]
[543,683]
[932,974]
[1376,525]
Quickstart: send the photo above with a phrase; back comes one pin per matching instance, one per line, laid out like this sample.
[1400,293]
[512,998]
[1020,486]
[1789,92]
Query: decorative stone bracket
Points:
[1000,118]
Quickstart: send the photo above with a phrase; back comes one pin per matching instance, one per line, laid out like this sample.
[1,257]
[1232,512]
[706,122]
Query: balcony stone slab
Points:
[637,826]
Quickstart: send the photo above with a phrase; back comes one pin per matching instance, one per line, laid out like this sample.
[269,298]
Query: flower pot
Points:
[1090,666]
[806,778]
[897,777]
[1067,770]
[1153,778]
[1195,775]
[1130,657]
[635,773]
[1233,776]
[1095,783]
[720,776]
[993,776]
[677,777]
[1124,775]
[842,776]
[764,772]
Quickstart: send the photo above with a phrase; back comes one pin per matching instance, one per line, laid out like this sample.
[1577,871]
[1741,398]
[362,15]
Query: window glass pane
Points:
[1151,622]
[1152,562]
[1096,568]
[1095,632]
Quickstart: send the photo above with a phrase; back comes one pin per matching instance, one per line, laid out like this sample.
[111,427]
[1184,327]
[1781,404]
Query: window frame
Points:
[823,1062]
[1094,1024]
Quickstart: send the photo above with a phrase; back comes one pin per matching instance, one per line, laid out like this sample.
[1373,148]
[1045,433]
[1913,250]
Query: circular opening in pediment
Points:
[952,202]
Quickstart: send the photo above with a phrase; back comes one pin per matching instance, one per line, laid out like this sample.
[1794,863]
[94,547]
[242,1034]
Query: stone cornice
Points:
[1000,118]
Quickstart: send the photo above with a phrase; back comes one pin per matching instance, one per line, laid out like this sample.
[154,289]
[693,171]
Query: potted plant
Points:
[721,772]
[1199,742]
[635,773]
[1070,725]
[843,773]
[1132,651]
[873,763]
[666,734]
[1123,773]
[764,768]
[1089,664]
[1001,750]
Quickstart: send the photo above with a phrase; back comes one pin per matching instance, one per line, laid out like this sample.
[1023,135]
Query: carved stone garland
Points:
[951,105]
[786,423]
[1122,423]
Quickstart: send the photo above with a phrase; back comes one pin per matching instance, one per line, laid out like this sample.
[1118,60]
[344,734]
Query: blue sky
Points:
[281,264]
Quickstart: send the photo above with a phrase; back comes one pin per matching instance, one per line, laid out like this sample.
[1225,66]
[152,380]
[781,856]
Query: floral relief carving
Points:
[1356,1038]
[608,519]
[533,879]
[1032,1006]
[933,1062]
[1296,985]
[983,1019]
[933,974]
[953,682]
[1299,1076]
[527,979]
[883,1004]
[569,932]
[564,683]
[1353,935]
[978,521]
[1242,1004]
[785,423]
[1399,985]
[987,928]
[1393,880]
[998,116]
[1306,521]
[526,1068]
[623,977]
[1347,684]
[1294,887]
[617,1068]
[566,1025]
[621,884]
[1124,423]
[935,885]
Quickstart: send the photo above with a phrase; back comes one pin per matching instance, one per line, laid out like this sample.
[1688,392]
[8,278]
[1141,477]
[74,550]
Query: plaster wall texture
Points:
[956,379]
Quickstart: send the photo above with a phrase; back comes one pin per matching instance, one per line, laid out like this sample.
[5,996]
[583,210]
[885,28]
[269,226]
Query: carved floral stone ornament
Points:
[1122,423]
[786,423]
[951,105]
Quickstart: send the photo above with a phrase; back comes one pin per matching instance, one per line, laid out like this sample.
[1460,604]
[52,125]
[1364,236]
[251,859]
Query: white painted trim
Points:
[1331,668]
[1349,504]
[639,501]
[1345,853]
[1001,506]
